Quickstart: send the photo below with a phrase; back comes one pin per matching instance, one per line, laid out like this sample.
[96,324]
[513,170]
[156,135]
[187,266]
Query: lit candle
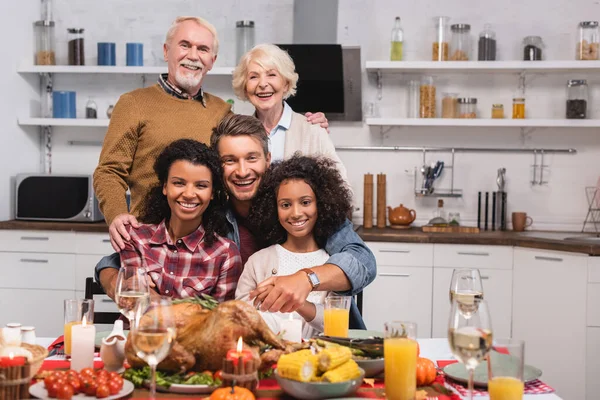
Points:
[82,345]
[291,329]
[12,361]
[239,354]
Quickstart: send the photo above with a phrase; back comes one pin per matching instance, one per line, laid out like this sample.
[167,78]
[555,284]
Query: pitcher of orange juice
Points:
[337,315]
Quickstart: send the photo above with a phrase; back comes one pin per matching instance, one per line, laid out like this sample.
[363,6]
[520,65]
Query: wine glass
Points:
[467,289]
[153,334]
[132,290]
[470,337]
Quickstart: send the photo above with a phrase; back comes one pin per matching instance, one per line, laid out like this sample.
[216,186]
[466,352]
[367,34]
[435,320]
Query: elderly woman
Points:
[266,76]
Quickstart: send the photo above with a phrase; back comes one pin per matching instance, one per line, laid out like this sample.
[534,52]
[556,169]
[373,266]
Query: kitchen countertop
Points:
[545,240]
[577,242]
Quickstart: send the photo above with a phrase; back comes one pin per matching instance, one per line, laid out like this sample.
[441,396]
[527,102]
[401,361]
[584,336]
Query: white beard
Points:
[188,82]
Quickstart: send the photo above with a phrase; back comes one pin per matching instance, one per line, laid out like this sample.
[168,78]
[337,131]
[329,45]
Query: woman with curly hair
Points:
[181,240]
[302,202]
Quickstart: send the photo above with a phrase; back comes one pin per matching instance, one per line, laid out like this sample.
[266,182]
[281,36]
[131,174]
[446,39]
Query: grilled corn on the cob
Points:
[333,357]
[345,372]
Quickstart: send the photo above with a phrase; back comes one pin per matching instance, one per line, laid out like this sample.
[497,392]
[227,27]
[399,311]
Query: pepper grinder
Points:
[368,202]
[381,203]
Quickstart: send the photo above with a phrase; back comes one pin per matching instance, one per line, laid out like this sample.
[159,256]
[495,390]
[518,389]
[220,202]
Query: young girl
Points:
[302,201]
[181,239]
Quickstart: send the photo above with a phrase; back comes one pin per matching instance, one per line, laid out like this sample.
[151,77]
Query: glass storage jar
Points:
[76,54]
[486,46]
[414,96]
[91,109]
[497,111]
[577,99]
[244,38]
[427,98]
[467,107]
[44,39]
[587,46]
[46,10]
[518,109]
[460,48]
[532,48]
[449,105]
[441,41]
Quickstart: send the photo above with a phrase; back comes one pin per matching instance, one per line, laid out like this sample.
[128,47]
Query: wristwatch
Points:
[312,278]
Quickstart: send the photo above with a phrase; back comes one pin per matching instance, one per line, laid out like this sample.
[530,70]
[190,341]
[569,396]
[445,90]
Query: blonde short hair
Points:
[267,56]
[200,21]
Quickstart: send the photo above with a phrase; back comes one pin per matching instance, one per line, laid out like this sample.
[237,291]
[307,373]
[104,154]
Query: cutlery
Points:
[372,346]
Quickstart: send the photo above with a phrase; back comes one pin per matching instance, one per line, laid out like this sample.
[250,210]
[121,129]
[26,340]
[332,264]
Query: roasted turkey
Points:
[204,336]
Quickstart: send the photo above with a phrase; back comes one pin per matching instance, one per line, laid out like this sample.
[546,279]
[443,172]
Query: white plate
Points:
[39,391]
[185,389]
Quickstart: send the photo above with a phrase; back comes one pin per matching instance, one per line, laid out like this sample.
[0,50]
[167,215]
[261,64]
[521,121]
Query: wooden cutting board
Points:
[451,229]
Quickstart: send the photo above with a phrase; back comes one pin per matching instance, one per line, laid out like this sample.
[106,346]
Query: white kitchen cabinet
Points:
[495,266]
[37,271]
[592,375]
[549,313]
[37,241]
[497,288]
[402,288]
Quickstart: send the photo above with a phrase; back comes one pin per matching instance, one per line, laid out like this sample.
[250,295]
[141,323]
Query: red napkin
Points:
[49,365]
[59,342]
[443,363]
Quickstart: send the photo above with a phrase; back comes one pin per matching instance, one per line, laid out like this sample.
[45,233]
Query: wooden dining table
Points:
[434,349]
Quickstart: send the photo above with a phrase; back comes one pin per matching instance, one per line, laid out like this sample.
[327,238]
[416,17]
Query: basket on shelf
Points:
[14,381]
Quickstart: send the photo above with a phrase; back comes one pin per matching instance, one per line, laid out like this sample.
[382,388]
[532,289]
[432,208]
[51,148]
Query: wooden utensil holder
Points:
[243,374]
[14,382]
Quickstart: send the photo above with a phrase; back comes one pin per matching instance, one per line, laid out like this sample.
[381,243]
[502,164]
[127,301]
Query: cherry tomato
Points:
[113,374]
[208,373]
[53,389]
[65,392]
[102,380]
[114,387]
[89,387]
[75,384]
[119,381]
[72,372]
[102,391]
[102,373]
[87,372]
[218,375]
[49,380]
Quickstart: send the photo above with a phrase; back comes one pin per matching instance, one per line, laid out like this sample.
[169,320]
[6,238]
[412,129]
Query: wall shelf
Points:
[80,122]
[486,122]
[482,66]
[93,69]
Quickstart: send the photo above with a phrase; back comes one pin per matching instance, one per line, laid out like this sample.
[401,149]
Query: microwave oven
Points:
[45,197]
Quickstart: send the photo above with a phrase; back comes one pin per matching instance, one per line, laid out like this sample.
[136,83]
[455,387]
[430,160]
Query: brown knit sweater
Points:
[143,123]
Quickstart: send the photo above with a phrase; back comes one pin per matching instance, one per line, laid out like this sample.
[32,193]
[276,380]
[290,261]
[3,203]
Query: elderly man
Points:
[146,120]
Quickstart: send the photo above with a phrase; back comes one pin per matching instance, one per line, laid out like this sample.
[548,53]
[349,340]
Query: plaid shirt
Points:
[185,268]
[176,92]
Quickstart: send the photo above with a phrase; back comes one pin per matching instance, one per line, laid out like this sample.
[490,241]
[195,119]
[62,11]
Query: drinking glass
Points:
[337,315]
[470,337]
[466,288]
[153,333]
[132,291]
[75,311]
[505,369]
[400,358]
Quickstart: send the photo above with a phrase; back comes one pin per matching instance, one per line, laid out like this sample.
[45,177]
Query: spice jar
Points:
[532,48]
[486,46]
[467,107]
[244,37]
[577,99]
[76,54]
[427,97]
[439,49]
[587,47]
[44,39]
[497,111]
[518,109]
[460,49]
[449,105]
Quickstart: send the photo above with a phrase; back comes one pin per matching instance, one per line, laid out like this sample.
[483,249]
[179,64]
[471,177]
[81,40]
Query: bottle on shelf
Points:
[91,109]
[397,41]
[439,211]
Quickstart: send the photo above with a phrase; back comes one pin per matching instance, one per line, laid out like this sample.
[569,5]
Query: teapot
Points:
[112,351]
[401,215]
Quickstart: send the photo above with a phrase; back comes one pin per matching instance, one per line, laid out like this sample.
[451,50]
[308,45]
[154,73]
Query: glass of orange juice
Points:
[400,352]
[505,369]
[337,315]
[75,310]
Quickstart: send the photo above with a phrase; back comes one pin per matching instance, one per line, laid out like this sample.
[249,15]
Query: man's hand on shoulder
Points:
[118,231]
[282,293]
[318,118]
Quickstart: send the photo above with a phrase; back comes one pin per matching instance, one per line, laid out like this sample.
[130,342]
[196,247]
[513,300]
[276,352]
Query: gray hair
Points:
[200,21]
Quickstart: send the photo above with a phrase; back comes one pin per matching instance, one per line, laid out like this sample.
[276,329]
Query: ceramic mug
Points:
[520,221]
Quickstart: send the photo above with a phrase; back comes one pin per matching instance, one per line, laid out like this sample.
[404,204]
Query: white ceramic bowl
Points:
[372,367]
[319,390]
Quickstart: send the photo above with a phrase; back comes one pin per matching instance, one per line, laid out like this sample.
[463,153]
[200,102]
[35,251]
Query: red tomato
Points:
[75,384]
[102,373]
[72,372]
[102,391]
[49,380]
[53,389]
[218,375]
[65,392]
[117,379]
[114,387]
[102,380]
[89,387]
[58,374]
[208,373]
[113,374]
[87,372]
